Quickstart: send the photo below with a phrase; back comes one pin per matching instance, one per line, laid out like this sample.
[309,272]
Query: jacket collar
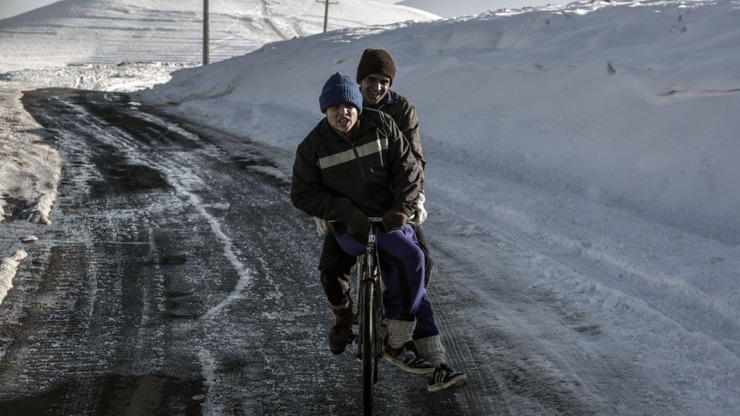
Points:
[389,99]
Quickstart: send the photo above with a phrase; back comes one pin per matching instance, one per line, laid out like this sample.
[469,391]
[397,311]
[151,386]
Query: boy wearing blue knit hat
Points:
[357,163]
[341,101]
[340,89]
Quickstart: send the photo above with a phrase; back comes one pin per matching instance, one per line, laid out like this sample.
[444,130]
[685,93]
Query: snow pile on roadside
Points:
[31,170]
[8,268]
[624,103]
[122,77]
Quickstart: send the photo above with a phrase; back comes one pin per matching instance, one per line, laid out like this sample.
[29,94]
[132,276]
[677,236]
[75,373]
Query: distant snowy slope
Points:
[112,31]
[447,8]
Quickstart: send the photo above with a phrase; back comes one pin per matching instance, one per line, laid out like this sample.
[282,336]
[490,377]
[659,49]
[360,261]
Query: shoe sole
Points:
[455,382]
[412,370]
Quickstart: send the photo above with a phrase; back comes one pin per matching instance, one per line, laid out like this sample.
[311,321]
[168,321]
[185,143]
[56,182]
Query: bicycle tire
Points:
[369,357]
[379,331]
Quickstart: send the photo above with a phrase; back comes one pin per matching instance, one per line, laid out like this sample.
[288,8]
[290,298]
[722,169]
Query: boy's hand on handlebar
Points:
[358,224]
[393,220]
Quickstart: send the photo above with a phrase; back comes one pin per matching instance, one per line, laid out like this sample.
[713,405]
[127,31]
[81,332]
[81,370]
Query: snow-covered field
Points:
[594,145]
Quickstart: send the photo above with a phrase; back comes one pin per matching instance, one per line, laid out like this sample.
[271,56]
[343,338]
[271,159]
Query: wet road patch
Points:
[138,177]
[138,395]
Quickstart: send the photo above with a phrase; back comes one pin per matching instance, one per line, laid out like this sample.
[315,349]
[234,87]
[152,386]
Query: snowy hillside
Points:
[114,31]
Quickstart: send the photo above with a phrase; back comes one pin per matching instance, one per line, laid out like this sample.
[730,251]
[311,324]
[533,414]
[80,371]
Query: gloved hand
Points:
[358,224]
[420,214]
[394,220]
[322,227]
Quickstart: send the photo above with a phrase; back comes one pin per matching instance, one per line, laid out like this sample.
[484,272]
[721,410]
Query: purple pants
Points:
[402,266]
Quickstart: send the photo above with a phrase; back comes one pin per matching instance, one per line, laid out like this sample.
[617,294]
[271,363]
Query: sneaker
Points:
[444,377]
[408,359]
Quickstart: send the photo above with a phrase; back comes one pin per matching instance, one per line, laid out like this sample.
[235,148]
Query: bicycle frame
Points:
[370,315]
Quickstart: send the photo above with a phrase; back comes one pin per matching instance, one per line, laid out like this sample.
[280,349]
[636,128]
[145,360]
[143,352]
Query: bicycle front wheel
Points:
[369,357]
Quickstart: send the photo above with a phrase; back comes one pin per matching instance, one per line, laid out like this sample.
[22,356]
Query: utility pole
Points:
[205,32]
[326,11]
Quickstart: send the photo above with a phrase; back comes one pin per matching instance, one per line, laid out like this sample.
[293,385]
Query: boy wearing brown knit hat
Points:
[376,61]
[375,74]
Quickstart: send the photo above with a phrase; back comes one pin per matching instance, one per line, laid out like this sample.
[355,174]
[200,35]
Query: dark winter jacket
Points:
[402,110]
[376,172]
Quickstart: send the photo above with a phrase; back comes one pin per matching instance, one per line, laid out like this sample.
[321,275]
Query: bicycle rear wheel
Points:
[369,356]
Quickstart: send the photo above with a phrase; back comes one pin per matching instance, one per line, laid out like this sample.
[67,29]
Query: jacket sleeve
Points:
[307,192]
[406,171]
[410,129]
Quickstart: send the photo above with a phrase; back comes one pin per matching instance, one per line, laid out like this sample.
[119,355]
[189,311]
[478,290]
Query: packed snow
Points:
[598,139]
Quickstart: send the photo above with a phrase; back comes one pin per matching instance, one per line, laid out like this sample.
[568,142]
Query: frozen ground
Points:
[585,155]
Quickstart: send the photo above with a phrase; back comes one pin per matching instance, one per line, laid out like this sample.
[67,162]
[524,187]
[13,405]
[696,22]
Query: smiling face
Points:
[374,88]
[342,117]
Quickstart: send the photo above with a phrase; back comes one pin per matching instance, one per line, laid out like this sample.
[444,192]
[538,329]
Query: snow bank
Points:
[8,268]
[624,103]
[31,170]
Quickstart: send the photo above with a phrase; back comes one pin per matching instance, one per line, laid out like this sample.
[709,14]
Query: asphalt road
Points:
[177,279]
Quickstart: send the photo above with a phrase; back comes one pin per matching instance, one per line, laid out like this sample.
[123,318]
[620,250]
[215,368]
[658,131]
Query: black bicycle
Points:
[371,326]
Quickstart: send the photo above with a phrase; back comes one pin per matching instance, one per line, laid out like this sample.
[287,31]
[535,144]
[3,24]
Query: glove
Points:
[358,224]
[394,220]
[420,214]
[322,227]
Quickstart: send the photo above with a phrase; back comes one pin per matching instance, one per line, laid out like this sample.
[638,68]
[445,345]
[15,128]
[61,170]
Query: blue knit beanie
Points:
[340,89]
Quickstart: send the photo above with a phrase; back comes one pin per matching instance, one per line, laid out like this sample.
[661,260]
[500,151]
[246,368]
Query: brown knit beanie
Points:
[376,61]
